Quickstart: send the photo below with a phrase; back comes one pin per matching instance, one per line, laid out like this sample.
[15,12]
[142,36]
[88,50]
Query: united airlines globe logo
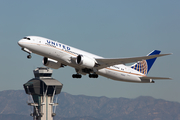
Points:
[141,66]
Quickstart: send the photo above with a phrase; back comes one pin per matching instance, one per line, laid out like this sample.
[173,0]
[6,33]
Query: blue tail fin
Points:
[145,65]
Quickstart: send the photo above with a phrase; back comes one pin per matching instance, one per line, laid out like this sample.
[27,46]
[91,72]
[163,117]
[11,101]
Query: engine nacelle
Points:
[85,61]
[51,63]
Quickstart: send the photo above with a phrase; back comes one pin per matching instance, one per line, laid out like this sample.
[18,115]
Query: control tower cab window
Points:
[26,38]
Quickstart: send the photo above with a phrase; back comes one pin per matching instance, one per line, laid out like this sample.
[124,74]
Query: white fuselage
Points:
[66,54]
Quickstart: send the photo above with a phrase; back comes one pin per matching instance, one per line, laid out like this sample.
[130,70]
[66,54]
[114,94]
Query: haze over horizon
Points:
[112,29]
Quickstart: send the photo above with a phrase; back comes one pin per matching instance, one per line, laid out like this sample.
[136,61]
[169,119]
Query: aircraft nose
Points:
[20,43]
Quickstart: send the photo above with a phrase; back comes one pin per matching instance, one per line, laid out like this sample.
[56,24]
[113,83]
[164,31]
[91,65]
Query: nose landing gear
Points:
[28,51]
[29,56]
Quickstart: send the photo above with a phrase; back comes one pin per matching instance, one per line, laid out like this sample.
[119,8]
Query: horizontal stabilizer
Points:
[157,78]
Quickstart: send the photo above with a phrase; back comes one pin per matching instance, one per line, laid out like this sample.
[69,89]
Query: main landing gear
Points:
[93,75]
[76,76]
[90,75]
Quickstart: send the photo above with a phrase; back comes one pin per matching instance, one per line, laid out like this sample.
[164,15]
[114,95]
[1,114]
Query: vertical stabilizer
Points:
[145,65]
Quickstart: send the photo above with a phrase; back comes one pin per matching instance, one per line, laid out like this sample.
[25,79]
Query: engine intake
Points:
[51,63]
[85,61]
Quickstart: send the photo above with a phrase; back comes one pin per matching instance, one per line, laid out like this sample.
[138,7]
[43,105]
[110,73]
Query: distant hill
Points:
[13,106]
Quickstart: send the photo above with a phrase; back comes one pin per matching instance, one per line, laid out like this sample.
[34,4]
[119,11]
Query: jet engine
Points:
[51,63]
[85,61]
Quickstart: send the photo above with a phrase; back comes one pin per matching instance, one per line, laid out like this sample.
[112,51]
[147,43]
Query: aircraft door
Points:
[39,41]
[129,72]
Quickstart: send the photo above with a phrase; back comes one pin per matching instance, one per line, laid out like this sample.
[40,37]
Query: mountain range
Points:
[13,106]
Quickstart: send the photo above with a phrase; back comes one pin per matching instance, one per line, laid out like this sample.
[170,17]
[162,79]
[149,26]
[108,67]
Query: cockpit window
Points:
[27,38]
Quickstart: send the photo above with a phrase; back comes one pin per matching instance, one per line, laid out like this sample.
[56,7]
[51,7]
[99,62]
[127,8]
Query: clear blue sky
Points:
[109,28]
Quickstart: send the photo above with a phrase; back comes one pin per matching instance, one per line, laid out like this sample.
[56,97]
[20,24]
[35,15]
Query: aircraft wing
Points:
[103,62]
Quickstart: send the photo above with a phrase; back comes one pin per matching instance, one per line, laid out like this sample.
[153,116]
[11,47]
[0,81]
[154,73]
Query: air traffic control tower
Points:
[43,91]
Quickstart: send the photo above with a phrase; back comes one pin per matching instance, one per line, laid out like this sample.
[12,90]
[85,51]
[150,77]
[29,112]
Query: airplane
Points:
[57,55]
